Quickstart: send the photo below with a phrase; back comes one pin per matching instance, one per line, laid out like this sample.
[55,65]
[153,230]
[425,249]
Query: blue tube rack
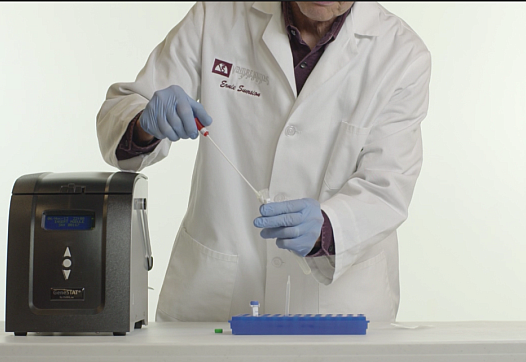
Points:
[294,324]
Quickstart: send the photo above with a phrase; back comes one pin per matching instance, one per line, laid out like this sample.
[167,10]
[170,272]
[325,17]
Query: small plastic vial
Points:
[255,308]
[263,196]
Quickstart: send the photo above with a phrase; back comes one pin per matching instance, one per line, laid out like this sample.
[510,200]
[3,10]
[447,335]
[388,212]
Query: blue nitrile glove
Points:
[296,224]
[170,113]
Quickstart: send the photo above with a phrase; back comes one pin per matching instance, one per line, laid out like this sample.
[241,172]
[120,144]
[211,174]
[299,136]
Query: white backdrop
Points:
[463,246]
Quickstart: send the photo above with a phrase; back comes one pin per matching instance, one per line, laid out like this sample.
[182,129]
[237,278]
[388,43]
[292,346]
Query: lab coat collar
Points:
[366,18]
[365,15]
[336,56]
[365,21]
[267,7]
[277,41]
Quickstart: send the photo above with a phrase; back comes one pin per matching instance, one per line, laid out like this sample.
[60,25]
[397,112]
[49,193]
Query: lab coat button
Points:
[303,65]
[277,262]
[280,197]
[290,131]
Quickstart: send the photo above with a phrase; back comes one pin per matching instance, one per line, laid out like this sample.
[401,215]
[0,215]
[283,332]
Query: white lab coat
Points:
[351,139]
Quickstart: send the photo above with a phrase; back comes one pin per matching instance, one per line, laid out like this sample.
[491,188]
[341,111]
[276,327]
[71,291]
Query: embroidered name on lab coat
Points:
[241,88]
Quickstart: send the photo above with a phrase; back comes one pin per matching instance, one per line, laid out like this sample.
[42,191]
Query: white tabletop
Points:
[158,342]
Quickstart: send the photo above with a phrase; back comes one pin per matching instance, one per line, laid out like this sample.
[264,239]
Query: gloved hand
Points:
[170,113]
[296,224]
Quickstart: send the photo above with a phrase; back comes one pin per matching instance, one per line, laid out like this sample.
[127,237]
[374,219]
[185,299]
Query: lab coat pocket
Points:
[199,282]
[362,289]
[345,152]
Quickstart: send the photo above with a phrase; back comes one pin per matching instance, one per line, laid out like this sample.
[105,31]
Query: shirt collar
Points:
[329,36]
[365,15]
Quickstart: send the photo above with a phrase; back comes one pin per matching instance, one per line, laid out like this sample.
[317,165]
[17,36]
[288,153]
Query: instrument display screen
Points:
[67,222]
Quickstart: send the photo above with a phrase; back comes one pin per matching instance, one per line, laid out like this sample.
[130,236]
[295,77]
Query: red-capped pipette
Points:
[263,196]
[202,129]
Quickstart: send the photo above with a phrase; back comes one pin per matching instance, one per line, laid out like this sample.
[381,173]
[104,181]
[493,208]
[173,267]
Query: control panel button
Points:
[66,263]
[66,274]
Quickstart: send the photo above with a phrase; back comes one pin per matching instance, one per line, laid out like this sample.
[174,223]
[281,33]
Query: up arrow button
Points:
[67,254]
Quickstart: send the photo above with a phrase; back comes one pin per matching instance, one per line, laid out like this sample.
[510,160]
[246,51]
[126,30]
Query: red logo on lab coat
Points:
[222,68]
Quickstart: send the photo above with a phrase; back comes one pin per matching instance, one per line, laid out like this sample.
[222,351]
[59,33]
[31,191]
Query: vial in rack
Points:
[255,308]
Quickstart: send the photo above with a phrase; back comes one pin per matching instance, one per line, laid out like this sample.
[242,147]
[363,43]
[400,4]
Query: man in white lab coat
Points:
[321,104]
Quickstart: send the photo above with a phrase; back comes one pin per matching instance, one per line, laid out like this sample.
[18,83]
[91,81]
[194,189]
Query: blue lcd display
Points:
[68,222]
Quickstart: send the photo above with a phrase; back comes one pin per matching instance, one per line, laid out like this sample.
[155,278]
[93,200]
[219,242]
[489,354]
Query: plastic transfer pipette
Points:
[202,129]
[262,196]
[287,297]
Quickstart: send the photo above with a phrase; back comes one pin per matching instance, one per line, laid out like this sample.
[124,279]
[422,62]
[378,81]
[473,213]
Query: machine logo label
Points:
[67,293]
[222,68]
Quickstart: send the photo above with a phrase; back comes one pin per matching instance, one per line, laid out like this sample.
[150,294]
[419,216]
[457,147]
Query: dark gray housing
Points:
[78,253]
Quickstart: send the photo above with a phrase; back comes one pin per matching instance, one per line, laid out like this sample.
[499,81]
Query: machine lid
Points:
[76,183]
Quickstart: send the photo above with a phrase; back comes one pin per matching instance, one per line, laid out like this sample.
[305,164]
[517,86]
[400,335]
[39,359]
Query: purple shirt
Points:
[129,149]
[305,59]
